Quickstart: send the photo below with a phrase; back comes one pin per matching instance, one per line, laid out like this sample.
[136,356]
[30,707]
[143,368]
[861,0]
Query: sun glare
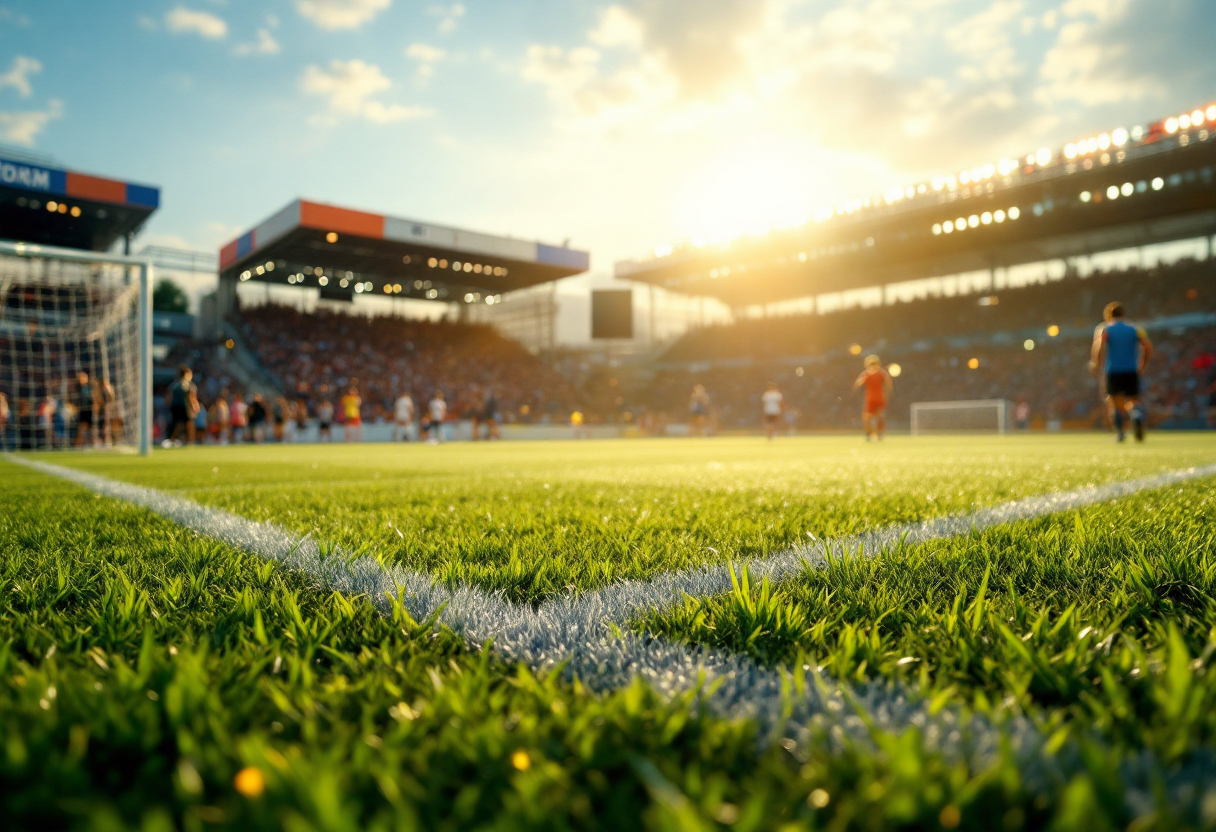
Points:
[751,190]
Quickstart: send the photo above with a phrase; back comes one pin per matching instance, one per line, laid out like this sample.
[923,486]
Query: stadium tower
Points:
[69,307]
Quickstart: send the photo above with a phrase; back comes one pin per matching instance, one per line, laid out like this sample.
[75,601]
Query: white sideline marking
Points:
[576,629]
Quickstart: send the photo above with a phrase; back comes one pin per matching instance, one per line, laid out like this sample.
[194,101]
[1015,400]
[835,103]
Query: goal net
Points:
[975,416]
[75,359]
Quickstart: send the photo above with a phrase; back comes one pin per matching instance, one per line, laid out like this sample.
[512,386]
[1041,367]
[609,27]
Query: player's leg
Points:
[1136,413]
[1117,406]
[880,420]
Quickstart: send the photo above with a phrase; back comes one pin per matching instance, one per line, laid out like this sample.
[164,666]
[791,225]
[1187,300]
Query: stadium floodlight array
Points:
[63,312]
[971,416]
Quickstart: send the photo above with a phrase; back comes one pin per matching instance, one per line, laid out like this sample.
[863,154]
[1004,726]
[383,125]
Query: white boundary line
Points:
[589,632]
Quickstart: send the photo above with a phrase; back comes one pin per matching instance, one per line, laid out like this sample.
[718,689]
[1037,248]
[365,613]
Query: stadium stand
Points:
[316,355]
[816,357]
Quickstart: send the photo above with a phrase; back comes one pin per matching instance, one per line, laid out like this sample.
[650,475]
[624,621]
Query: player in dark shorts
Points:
[179,405]
[1121,350]
[84,409]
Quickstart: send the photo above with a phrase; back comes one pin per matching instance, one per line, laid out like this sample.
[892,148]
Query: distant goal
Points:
[973,416]
[75,350]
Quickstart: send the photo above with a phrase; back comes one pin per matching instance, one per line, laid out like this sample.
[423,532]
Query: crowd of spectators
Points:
[936,343]
[1166,290]
[315,356]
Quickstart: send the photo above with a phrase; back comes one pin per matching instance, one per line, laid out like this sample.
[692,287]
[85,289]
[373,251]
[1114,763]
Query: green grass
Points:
[1088,621]
[536,520]
[142,667]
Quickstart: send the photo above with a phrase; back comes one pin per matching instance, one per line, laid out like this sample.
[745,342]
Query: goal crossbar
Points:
[144,268]
[1000,406]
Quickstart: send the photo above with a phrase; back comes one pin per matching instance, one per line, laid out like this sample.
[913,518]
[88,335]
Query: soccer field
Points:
[672,634]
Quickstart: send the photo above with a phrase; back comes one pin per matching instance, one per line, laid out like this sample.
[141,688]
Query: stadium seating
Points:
[315,355]
[933,341]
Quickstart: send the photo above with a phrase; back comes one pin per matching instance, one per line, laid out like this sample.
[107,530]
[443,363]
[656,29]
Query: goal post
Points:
[64,312]
[970,416]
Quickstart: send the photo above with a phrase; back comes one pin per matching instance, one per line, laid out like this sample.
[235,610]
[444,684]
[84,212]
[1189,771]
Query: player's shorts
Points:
[354,422]
[84,418]
[1123,384]
[323,425]
[875,406]
[772,418]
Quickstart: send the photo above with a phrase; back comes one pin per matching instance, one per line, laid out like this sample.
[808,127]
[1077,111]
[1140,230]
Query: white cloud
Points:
[618,27]
[265,45]
[349,87]
[449,17]
[341,14]
[189,21]
[23,127]
[19,76]
[426,54]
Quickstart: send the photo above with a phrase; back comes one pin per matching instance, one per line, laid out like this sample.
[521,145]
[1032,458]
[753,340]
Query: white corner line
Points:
[589,633]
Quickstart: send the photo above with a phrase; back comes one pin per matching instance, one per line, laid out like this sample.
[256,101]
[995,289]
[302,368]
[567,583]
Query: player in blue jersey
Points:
[1121,350]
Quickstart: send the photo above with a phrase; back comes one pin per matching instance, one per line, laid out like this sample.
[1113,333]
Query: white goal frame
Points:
[144,269]
[1001,406]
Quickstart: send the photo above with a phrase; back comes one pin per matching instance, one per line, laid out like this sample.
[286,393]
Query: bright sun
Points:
[749,191]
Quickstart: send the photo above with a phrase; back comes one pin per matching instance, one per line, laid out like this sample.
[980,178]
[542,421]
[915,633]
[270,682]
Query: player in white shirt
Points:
[437,408]
[773,405]
[403,413]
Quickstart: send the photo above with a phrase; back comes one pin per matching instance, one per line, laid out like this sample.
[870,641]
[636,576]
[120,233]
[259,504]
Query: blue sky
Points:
[617,126]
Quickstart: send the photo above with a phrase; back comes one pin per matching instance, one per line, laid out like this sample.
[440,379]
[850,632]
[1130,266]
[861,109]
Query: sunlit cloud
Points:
[341,14]
[182,20]
[349,88]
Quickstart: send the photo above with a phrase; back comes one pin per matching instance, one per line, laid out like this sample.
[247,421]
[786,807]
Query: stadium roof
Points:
[343,251]
[1121,189]
[48,205]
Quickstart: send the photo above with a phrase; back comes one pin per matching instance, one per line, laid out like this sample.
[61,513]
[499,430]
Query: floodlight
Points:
[1014,213]
[948,226]
[999,215]
[1053,331]
[1070,150]
[893,370]
[1119,137]
[1112,192]
[973,221]
[1211,113]
[1043,156]
[1197,117]
[1184,121]
[1028,344]
[1158,183]
[1104,141]
[1127,189]
[1171,125]
[1086,196]
[973,363]
[960,223]
[937,228]
[986,218]
[331,237]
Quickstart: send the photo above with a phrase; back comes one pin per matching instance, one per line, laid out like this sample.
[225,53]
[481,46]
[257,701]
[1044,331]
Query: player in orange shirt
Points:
[878,385]
[354,419]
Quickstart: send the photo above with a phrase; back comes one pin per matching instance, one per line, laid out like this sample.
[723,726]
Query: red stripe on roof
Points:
[94,187]
[228,255]
[341,220]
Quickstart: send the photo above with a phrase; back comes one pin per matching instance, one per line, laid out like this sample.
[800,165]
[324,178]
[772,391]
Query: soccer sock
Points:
[1119,421]
[1138,414]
